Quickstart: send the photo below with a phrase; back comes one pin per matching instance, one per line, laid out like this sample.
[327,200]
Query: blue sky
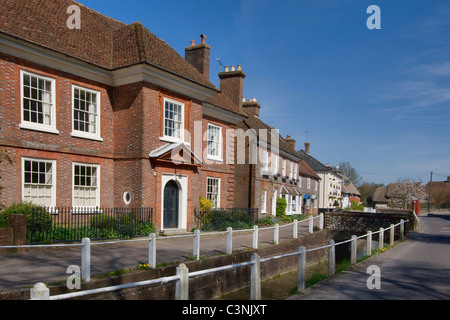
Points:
[379,99]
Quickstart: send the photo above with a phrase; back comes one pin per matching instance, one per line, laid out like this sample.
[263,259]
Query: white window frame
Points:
[98,181]
[300,179]
[84,134]
[219,143]
[27,124]
[168,137]
[218,180]
[53,180]
[291,171]
[308,183]
[264,201]
[275,163]
[265,162]
[283,169]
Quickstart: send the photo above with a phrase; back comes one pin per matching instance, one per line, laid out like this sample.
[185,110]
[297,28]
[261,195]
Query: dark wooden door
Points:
[171,205]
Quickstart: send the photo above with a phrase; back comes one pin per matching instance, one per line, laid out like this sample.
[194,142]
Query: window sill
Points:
[34,127]
[82,135]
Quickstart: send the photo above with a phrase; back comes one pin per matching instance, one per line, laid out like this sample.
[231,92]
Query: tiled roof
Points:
[307,171]
[102,41]
[315,164]
[222,101]
[254,122]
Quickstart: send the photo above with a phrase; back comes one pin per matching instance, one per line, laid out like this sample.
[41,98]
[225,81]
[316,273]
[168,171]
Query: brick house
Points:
[108,115]
[266,164]
[309,183]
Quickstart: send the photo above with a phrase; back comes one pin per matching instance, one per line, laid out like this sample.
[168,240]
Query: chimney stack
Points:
[291,142]
[307,147]
[199,55]
[251,107]
[232,84]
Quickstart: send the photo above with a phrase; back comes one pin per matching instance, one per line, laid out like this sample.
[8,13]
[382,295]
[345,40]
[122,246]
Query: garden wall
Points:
[16,233]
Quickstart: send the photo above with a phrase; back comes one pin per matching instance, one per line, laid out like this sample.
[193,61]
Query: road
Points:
[418,269]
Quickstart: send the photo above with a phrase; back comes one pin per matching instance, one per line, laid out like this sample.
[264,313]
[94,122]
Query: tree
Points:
[350,172]
[403,192]
[367,189]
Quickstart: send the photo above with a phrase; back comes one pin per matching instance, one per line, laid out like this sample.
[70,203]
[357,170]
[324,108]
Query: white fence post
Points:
[301,269]
[332,258]
[321,221]
[369,243]
[86,259]
[402,230]
[276,234]
[391,235]
[353,250]
[295,229]
[311,224]
[152,251]
[229,240]
[381,239]
[255,278]
[40,292]
[255,237]
[196,252]
[182,285]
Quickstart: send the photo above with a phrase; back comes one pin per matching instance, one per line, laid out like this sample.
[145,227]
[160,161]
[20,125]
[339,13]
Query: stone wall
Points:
[360,222]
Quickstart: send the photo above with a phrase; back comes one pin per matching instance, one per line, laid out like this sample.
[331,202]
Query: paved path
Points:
[415,269]
[49,265]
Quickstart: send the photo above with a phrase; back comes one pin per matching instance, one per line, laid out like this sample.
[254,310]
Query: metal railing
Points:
[65,224]
[41,292]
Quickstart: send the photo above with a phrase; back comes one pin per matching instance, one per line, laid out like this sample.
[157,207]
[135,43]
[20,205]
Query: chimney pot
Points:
[307,147]
[239,67]
[233,68]
[192,43]
[203,38]
[227,69]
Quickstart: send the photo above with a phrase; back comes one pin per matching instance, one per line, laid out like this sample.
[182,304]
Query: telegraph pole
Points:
[429,191]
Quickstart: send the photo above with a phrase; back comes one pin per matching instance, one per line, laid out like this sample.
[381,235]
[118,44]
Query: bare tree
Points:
[350,172]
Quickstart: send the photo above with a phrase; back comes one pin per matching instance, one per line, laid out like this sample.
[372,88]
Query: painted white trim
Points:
[81,134]
[54,180]
[98,184]
[220,146]
[38,126]
[219,189]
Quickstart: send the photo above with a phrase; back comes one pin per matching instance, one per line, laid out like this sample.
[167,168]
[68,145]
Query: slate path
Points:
[49,265]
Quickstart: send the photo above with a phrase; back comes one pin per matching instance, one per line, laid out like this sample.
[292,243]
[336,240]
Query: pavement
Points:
[417,269]
[49,265]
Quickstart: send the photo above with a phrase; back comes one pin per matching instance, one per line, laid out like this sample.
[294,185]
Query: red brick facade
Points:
[131,121]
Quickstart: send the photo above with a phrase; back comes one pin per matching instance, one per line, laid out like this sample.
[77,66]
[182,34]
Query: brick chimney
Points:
[232,84]
[251,107]
[199,55]
[290,142]
[307,147]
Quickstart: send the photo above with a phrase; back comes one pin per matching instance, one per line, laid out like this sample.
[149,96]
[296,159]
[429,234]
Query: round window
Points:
[127,197]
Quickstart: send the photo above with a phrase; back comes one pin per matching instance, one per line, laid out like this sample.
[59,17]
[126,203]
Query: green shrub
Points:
[103,221]
[220,220]
[281,207]
[38,218]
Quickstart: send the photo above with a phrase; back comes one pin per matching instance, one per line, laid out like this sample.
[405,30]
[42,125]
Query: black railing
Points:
[221,219]
[61,224]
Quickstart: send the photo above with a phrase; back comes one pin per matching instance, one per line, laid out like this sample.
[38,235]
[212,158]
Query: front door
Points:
[171,205]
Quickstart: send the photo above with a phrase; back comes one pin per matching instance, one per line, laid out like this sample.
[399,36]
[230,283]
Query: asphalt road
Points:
[417,269]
